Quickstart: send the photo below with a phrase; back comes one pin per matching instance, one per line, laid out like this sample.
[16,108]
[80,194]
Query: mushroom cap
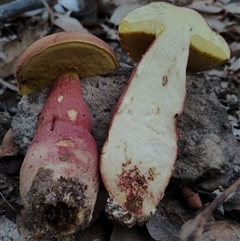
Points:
[140,27]
[56,54]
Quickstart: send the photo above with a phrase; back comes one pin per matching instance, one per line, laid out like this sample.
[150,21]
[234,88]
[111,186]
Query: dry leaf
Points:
[208,2]
[234,66]
[221,231]
[233,8]
[8,148]
[236,133]
[111,33]
[121,11]
[68,23]
[224,1]
[73,5]
[235,49]
[120,2]
[162,227]
[14,48]
[8,85]
[217,73]
[215,24]
[201,6]
[183,2]
[234,122]
[33,13]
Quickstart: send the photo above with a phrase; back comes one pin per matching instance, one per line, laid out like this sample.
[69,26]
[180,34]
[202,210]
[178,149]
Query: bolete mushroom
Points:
[141,147]
[59,177]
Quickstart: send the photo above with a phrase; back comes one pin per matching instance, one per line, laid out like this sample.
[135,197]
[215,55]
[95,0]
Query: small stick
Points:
[11,10]
[8,85]
[7,202]
[192,229]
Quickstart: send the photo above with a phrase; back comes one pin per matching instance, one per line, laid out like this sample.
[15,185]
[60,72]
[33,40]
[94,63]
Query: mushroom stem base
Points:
[59,177]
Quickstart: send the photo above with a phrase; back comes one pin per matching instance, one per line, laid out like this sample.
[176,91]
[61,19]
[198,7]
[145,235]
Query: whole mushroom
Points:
[59,177]
[141,147]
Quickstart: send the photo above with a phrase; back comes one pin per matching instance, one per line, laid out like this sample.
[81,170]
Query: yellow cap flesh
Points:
[59,53]
[141,26]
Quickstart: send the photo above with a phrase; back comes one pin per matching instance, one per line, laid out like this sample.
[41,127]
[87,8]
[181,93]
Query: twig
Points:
[11,10]
[8,85]
[49,10]
[192,229]
[7,202]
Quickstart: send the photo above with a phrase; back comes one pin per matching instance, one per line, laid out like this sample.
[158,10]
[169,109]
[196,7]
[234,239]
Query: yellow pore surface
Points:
[40,66]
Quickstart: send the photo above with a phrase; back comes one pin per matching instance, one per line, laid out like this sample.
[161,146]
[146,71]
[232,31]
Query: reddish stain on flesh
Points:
[134,184]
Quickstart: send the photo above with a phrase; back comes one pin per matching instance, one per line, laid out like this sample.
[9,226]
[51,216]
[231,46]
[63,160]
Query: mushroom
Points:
[59,177]
[141,147]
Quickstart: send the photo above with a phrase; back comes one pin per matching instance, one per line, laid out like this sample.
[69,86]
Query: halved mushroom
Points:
[141,147]
[59,177]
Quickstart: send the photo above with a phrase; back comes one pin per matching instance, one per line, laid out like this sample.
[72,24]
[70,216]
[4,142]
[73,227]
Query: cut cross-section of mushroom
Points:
[138,157]
[59,177]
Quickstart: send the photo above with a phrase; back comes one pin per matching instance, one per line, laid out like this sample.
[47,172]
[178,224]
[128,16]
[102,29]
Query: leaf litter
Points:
[222,15]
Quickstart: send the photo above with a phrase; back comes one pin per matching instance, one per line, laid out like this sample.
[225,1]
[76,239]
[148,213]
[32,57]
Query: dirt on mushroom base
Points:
[61,217]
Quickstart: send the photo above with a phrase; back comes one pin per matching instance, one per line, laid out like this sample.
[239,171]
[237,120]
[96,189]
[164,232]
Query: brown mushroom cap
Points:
[56,54]
[139,28]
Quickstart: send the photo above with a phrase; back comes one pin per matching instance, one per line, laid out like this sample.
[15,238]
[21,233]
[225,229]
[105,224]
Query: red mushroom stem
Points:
[66,104]
[61,164]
